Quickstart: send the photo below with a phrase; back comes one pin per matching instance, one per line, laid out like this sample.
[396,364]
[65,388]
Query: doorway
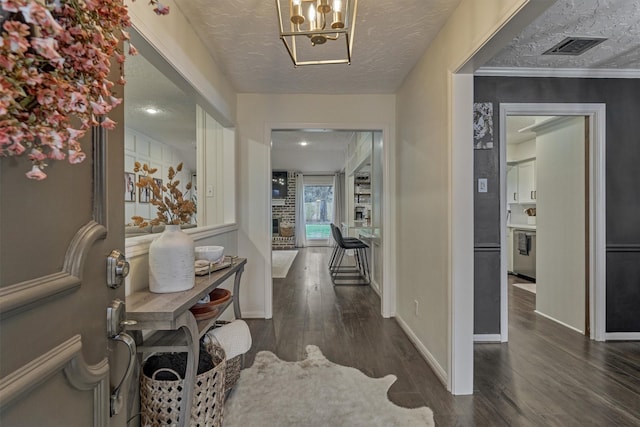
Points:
[381,159]
[318,209]
[546,200]
[592,253]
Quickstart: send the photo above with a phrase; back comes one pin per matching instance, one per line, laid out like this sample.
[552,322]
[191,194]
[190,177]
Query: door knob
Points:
[117,268]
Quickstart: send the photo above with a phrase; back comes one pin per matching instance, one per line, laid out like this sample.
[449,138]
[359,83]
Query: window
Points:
[318,207]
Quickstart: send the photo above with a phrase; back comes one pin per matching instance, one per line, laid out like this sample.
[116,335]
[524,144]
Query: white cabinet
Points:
[512,184]
[521,182]
[527,182]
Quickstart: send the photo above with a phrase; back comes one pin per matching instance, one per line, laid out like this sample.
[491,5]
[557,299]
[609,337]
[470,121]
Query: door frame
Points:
[596,113]
[388,288]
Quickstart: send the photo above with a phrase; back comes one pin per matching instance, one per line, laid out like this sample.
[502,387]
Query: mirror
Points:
[164,127]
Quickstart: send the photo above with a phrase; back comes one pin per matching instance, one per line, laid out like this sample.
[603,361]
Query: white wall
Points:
[256,115]
[424,182]
[522,151]
[313,160]
[561,253]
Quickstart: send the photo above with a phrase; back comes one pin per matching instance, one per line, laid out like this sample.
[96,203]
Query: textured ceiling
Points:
[390,37]
[616,20]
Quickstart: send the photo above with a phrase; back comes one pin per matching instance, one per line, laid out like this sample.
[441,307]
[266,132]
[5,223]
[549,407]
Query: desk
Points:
[176,329]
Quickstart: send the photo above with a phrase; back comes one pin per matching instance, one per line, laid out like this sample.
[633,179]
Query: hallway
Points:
[546,375]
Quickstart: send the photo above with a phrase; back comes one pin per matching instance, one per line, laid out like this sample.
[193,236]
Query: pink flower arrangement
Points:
[55,57]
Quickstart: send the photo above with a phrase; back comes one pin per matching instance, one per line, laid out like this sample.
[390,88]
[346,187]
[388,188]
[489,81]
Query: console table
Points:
[175,328]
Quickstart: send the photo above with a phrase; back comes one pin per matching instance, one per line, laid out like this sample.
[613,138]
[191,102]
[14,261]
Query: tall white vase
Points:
[171,261]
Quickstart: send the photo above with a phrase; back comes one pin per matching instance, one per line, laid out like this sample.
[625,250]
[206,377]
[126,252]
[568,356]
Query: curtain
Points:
[301,232]
[338,201]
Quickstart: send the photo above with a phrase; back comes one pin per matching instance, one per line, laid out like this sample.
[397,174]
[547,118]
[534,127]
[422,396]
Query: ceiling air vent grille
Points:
[574,46]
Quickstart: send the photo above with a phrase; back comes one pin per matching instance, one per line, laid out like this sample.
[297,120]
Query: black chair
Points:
[336,248]
[349,275]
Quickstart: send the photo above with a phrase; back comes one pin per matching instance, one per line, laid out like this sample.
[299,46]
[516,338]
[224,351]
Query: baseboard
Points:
[253,314]
[376,287]
[622,336]
[487,338]
[559,322]
[424,352]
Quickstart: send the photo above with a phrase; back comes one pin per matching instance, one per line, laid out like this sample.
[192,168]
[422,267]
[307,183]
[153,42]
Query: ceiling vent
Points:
[574,46]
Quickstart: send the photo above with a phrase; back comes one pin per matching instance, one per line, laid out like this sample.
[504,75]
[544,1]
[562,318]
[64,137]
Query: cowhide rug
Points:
[314,392]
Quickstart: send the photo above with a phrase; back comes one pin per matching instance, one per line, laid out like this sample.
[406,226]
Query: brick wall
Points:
[286,213]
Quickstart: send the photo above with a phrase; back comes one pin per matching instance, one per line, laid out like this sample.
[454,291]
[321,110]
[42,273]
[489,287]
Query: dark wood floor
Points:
[547,375]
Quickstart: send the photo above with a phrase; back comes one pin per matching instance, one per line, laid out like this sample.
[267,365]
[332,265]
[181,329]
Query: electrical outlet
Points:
[482,185]
[415,306]
[209,190]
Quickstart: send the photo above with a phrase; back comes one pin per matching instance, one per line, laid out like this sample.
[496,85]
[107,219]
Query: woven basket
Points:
[232,373]
[286,230]
[160,400]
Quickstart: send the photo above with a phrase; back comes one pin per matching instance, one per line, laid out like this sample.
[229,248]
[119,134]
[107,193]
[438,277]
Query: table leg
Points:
[190,329]
[236,293]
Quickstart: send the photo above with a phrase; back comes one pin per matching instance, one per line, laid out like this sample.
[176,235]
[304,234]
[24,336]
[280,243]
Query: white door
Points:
[561,217]
[58,366]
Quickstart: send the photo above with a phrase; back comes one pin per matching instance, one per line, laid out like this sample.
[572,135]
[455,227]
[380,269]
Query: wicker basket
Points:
[232,373]
[234,365]
[286,230]
[160,400]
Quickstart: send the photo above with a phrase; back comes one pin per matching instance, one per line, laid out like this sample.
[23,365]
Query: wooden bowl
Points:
[211,309]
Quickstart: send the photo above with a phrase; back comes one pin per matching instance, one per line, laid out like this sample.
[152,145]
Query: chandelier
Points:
[317,32]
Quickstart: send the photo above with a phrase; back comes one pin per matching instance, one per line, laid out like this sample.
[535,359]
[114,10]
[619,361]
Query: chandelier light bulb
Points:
[324,6]
[338,20]
[297,17]
[312,19]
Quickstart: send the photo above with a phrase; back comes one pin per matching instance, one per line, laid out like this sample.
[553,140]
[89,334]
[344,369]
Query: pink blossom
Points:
[107,123]
[115,101]
[35,13]
[7,62]
[45,47]
[9,5]
[132,50]
[125,35]
[76,157]
[16,149]
[160,9]
[36,155]
[17,33]
[52,139]
[78,102]
[75,134]
[46,96]
[36,173]
[100,107]
[56,154]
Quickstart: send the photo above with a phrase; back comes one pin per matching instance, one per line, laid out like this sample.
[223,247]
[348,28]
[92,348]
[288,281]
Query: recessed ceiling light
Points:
[151,111]
[303,143]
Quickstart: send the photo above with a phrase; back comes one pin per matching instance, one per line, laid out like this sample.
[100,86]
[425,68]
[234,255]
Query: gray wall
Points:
[622,97]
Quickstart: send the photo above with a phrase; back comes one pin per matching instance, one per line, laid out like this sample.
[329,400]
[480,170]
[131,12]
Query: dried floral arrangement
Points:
[173,207]
[55,57]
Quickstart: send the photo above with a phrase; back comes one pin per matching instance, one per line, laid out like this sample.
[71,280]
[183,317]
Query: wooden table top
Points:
[146,306]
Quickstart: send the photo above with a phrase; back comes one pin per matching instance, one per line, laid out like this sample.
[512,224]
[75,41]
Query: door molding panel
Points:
[24,295]
[66,357]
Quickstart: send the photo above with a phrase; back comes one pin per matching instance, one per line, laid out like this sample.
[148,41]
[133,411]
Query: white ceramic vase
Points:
[171,261]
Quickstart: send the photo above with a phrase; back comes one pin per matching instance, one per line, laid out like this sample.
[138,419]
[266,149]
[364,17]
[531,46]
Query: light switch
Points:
[209,190]
[482,185]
